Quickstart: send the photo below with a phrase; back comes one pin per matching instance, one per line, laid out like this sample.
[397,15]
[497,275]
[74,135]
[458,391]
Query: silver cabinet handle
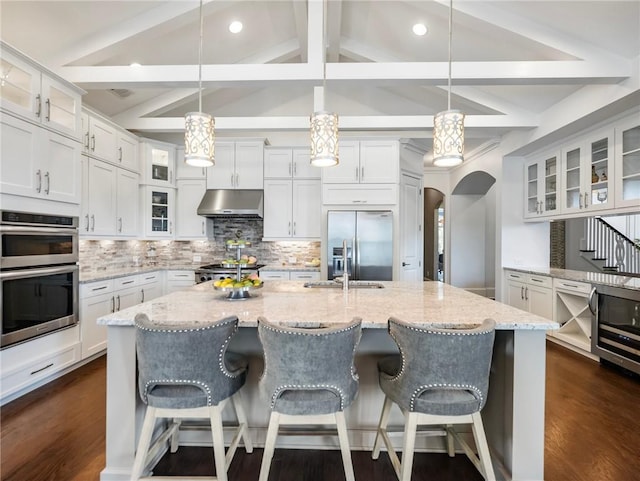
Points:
[231,180]
[289,227]
[592,296]
[39,176]
[237,180]
[48,183]
[86,144]
[586,200]
[295,169]
[357,173]
[120,154]
[526,293]
[119,224]
[204,172]
[118,297]
[170,227]
[171,176]
[294,227]
[580,200]
[86,217]
[93,222]
[361,174]
[142,292]
[48,116]
[93,142]
[522,292]
[38,105]
[203,227]
[113,304]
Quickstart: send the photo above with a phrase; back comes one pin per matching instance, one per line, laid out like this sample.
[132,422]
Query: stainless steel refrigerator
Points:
[369,236]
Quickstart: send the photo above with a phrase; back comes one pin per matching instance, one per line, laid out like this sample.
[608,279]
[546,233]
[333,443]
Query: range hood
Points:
[232,203]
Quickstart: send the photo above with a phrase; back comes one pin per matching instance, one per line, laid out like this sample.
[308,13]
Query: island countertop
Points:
[290,303]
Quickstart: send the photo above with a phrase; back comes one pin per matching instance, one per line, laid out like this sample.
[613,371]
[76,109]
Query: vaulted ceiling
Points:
[514,62]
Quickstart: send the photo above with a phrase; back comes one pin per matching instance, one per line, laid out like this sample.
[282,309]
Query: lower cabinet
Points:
[290,275]
[571,311]
[530,292]
[178,280]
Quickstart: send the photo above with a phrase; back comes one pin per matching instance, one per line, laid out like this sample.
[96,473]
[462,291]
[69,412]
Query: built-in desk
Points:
[514,413]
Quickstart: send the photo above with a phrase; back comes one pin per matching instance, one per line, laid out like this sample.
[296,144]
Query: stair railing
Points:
[610,244]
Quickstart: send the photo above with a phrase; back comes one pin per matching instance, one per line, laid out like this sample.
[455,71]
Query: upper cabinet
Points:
[185,171]
[157,163]
[289,162]
[541,185]
[627,163]
[365,162]
[238,165]
[104,140]
[39,96]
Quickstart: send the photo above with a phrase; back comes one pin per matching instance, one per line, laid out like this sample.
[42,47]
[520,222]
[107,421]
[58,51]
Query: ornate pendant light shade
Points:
[448,138]
[324,139]
[199,134]
[448,126]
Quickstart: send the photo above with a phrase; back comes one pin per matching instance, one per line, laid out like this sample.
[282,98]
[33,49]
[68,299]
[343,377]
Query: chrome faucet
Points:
[345,266]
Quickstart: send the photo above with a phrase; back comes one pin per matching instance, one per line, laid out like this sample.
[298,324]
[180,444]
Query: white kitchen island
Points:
[513,415]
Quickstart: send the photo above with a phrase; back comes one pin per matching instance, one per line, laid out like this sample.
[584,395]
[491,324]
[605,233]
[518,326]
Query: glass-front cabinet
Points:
[157,163]
[158,206]
[572,173]
[601,172]
[541,185]
[628,163]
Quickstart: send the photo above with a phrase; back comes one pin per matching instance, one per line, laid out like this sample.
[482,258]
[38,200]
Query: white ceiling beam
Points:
[334,27]
[301,17]
[347,123]
[315,47]
[419,73]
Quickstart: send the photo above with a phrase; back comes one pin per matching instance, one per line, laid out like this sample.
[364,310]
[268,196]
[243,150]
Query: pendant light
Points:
[324,125]
[199,135]
[448,126]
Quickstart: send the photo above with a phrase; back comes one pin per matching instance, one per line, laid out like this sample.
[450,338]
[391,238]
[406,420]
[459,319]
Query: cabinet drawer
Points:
[180,276]
[516,276]
[274,275]
[304,276]
[96,288]
[542,281]
[38,369]
[572,286]
[357,194]
[149,278]
[125,282]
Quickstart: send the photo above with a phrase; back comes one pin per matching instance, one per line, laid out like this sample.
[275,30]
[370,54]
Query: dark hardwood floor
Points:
[56,433]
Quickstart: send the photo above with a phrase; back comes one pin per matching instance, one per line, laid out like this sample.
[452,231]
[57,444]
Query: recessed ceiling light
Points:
[134,64]
[420,29]
[235,27]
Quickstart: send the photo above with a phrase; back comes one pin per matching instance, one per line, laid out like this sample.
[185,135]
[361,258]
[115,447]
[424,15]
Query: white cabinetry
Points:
[289,162]
[239,165]
[367,161]
[39,96]
[541,185]
[127,151]
[185,171]
[190,225]
[37,162]
[158,211]
[151,285]
[289,275]
[571,311]
[530,292]
[292,209]
[157,163]
[627,163]
[106,141]
[178,280]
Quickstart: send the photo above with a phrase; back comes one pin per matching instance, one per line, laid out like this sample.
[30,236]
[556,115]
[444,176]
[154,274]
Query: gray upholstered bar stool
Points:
[187,372]
[309,378]
[441,377]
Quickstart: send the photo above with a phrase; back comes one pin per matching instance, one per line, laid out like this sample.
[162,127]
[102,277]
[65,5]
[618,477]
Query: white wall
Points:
[468,241]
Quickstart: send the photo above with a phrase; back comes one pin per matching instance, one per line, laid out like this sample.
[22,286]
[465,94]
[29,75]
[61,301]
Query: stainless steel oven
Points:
[38,275]
[616,326]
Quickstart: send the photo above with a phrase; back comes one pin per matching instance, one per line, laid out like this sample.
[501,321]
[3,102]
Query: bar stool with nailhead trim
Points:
[440,377]
[309,378]
[187,372]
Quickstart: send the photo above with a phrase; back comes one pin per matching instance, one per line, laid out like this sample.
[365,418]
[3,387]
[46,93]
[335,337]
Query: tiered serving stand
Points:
[238,293]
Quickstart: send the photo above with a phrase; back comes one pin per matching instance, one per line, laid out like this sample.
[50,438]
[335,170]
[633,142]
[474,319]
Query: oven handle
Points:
[43,271]
[11,229]
[592,296]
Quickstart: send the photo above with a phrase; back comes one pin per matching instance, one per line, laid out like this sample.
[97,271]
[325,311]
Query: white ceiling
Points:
[514,61]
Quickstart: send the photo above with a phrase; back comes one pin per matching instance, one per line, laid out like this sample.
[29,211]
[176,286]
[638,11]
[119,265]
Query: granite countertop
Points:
[581,276]
[288,302]
[101,275]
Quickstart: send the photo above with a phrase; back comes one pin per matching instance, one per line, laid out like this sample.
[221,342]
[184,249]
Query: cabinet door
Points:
[159,209]
[61,107]
[348,169]
[102,197]
[277,208]
[102,140]
[249,164]
[125,298]
[61,168]
[20,92]
[599,171]
[150,291]
[307,208]
[127,151]
[515,294]
[540,301]
[19,157]
[302,168]
[190,225]
[185,171]
[573,179]
[532,202]
[549,185]
[222,174]
[379,162]
[127,203]
[627,163]
[94,336]
[278,162]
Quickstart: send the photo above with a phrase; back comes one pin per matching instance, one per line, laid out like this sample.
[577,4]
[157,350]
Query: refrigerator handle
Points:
[355,254]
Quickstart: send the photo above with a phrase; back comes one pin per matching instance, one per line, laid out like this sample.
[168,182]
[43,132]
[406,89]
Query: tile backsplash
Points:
[101,255]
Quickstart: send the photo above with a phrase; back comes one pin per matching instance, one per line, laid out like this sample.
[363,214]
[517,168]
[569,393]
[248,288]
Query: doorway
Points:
[434,221]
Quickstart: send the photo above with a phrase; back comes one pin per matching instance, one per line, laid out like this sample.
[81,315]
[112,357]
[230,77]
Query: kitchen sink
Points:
[338,285]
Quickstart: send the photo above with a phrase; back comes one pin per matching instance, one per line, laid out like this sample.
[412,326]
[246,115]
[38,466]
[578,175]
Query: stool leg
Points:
[341,424]
[143,443]
[408,445]
[269,446]
[215,417]
[483,448]
[382,425]
[450,441]
[242,420]
[175,439]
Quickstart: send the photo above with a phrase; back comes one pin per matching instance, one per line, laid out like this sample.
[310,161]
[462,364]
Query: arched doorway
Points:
[434,218]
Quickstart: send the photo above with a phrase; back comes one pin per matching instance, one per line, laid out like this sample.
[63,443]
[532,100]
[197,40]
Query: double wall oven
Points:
[38,274]
[616,325]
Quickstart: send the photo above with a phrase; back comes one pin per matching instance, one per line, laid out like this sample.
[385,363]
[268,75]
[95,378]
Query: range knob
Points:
[203,278]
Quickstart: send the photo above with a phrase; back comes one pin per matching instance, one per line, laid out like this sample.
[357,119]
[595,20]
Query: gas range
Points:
[212,272]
